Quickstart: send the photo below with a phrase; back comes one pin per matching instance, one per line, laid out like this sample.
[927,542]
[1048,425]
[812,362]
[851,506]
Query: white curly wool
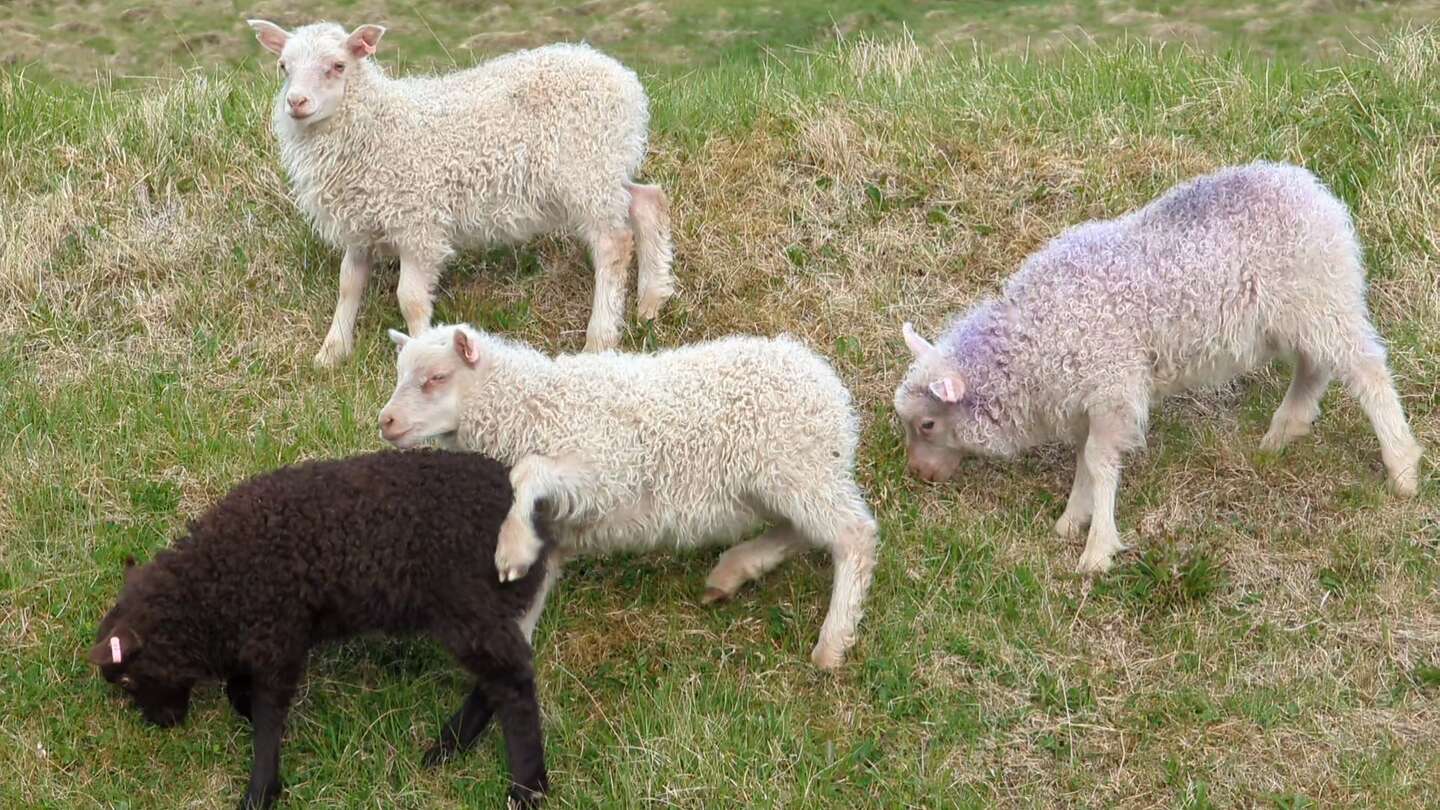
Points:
[1205,283]
[699,444]
[533,142]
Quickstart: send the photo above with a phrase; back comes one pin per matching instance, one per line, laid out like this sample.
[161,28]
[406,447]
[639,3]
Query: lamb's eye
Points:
[283,68]
[927,425]
[339,67]
[439,378]
[126,682]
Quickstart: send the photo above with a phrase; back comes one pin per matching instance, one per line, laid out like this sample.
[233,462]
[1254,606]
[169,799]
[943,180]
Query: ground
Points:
[1272,640]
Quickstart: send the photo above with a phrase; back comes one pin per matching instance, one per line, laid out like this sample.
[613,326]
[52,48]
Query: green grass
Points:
[1273,640]
[75,39]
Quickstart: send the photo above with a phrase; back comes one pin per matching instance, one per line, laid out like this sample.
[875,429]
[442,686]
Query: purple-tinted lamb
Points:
[1209,281]
[393,543]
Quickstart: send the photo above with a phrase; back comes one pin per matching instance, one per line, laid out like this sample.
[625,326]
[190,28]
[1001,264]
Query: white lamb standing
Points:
[1208,282]
[693,445]
[532,142]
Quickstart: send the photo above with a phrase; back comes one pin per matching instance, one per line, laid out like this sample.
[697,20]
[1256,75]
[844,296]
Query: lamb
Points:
[690,445]
[534,142]
[386,542]
[1205,283]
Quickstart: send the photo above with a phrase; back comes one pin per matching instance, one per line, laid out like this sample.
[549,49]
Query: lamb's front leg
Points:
[534,478]
[354,272]
[419,271]
[268,706]
[1109,437]
[1079,507]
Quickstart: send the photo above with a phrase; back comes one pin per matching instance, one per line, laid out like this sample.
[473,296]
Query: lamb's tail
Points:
[650,221]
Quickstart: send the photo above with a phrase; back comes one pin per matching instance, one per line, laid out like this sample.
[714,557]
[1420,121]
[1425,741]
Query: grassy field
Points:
[78,38]
[1272,641]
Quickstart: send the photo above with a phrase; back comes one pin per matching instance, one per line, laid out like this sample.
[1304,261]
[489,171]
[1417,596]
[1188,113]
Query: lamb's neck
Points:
[506,415]
[980,347]
[190,619]
[335,153]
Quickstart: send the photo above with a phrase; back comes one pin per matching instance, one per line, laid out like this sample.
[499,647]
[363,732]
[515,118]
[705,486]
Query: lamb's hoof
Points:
[517,549]
[1070,528]
[527,797]
[510,570]
[600,343]
[1095,562]
[331,353]
[713,595]
[264,801]
[648,307]
[1407,483]
[437,755]
[827,657]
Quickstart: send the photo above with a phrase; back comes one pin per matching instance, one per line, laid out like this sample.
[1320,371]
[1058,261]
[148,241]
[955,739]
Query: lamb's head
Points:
[317,60]
[942,425]
[431,372]
[126,657]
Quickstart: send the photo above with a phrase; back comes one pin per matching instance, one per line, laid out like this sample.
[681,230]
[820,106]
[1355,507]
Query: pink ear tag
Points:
[115,656]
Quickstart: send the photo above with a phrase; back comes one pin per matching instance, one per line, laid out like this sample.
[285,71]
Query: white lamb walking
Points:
[1207,282]
[533,142]
[692,445]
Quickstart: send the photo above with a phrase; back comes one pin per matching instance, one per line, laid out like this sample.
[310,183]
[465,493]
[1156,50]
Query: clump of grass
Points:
[1164,579]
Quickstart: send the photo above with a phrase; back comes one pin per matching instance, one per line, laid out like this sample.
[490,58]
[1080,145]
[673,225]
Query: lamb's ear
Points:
[399,338]
[948,389]
[918,345]
[272,37]
[467,346]
[115,648]
[364,40]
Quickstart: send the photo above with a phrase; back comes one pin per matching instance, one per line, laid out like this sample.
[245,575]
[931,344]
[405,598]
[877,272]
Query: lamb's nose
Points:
[299,105]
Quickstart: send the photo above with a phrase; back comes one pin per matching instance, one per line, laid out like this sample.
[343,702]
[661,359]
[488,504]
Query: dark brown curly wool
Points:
[391,542]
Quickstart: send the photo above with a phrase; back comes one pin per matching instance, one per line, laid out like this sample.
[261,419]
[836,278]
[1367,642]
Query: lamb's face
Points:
[430,371]
[123,661]
[932,444]
[316,60]
[941,426]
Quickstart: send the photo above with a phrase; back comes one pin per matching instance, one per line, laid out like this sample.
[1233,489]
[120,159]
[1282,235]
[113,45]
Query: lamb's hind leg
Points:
[610,252]
[1368,380]
[650,218]
[751,560]
[1301,405]
[843,524]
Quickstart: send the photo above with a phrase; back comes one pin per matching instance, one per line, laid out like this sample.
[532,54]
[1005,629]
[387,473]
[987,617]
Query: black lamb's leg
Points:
[268,706]
[238,689]
[519,714]
[504,669]
[462,729]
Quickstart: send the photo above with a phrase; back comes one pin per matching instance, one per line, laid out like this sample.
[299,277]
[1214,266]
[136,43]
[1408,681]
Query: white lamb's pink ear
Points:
[948,389]
[272,37]
[399,338]
[918,345]
[363,41]
[467,347]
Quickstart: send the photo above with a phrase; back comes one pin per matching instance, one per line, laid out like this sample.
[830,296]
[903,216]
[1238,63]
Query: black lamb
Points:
[392,542]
